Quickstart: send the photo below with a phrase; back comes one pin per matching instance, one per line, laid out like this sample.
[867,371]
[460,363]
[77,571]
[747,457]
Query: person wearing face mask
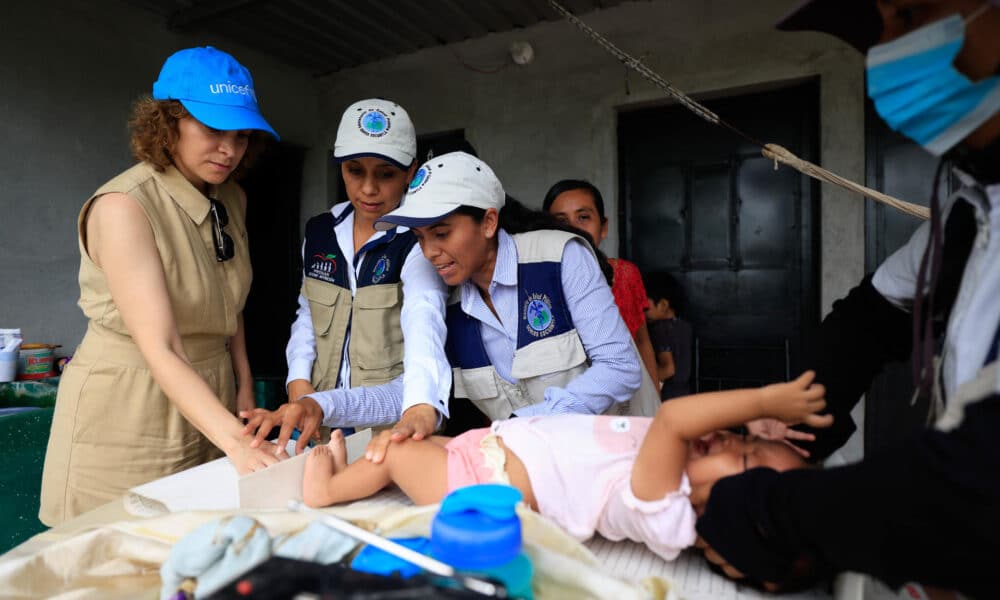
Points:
[364,292]
[925,509]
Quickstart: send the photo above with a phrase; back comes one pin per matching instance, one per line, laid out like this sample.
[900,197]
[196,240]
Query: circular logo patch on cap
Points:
[420,178]
[374,123]
[538,315]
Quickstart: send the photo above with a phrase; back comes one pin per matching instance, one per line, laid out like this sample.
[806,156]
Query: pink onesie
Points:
[580,467]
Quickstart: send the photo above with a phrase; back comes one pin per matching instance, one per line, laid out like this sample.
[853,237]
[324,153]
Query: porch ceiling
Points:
[323,36]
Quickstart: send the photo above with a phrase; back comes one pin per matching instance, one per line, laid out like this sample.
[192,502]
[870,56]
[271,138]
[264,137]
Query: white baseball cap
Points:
[376,127]
[443,184]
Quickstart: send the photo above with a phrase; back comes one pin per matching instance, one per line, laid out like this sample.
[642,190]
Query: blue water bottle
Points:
[477,531]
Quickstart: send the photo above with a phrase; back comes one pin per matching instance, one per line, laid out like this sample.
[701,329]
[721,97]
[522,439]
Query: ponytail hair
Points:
[517,218]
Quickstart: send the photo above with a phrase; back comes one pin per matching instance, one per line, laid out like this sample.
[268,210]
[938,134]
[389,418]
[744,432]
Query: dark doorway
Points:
[740,237]
[274,191]
[900,168]
[436,144]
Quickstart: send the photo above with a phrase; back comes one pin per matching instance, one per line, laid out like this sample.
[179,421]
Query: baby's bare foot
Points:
[338,447]
[320,465]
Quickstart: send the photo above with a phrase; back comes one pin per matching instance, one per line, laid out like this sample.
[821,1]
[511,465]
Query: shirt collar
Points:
[343,214]
[504,270]
[341,207]
[185,195]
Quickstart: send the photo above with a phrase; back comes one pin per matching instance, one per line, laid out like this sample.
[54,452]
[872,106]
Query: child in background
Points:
[630,477]
[579,203]
[671,336]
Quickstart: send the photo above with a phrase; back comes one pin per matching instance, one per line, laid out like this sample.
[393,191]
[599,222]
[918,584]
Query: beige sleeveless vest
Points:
[373,315]
[113,428]
[549,362]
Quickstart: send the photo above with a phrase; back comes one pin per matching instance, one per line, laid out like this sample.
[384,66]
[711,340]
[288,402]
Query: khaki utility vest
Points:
[549,350]
[371,315]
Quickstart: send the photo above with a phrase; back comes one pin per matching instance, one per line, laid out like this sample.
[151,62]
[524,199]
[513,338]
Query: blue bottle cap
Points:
[477,527]
[380,562]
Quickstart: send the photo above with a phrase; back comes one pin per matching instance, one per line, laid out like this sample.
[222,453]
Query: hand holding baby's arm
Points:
[795,402]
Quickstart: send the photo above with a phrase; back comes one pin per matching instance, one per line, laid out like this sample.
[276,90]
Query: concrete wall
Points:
[71,69]
[69,73]
[556,117]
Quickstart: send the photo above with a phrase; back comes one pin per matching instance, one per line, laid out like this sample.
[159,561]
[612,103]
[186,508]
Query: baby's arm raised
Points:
[660,464]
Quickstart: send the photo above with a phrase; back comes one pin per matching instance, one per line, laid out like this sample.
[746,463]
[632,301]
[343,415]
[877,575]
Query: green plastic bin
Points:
[40,393]
[25,436]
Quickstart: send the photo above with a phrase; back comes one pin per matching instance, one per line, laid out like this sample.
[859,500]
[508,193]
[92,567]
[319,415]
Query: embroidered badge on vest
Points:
[322,267]
[381,268]
[538,315]
[374,123]
[420,178]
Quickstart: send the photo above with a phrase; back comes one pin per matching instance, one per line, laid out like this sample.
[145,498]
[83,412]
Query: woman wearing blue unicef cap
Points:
[164,274]
[923,509]
[363,293]
[533,328]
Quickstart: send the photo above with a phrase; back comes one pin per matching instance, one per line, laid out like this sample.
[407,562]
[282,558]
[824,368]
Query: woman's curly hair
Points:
[154,134]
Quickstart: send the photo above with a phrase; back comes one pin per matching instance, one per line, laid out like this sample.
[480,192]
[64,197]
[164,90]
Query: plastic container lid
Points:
[380,562]
[477,527]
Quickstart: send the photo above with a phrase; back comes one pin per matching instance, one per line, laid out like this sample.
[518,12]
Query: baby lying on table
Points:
[622,477]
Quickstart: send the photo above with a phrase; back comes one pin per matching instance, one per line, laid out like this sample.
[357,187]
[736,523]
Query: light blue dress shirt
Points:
[614,374]
[426,377]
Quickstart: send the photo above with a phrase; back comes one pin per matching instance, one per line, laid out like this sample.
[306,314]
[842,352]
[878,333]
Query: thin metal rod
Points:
[411,556]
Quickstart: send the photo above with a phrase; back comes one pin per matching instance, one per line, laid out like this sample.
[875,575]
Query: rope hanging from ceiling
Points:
[774,152]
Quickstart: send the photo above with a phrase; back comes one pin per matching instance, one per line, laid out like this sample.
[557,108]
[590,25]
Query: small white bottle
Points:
[7,336]
[10,343]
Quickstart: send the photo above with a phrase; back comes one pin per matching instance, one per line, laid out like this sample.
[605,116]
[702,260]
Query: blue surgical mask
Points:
[917,90]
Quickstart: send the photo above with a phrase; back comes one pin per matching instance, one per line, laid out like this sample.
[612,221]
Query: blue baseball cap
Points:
[215,88]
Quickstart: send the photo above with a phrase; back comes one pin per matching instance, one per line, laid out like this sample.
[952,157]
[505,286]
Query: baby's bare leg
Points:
[338,447]
[418,467]
[319,471]
[322,463]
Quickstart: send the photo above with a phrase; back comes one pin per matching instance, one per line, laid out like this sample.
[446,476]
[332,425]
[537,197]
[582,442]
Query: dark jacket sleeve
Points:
[927,510]
[862,333]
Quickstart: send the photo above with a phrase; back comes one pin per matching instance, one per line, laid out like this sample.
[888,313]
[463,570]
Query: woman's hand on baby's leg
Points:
[418,422]
[303,413]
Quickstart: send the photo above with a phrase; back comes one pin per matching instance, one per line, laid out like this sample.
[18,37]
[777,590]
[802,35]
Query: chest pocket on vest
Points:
[376,333]
[323,298]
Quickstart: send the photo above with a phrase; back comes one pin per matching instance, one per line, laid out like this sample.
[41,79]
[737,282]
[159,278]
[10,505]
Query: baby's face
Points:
[723,454]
